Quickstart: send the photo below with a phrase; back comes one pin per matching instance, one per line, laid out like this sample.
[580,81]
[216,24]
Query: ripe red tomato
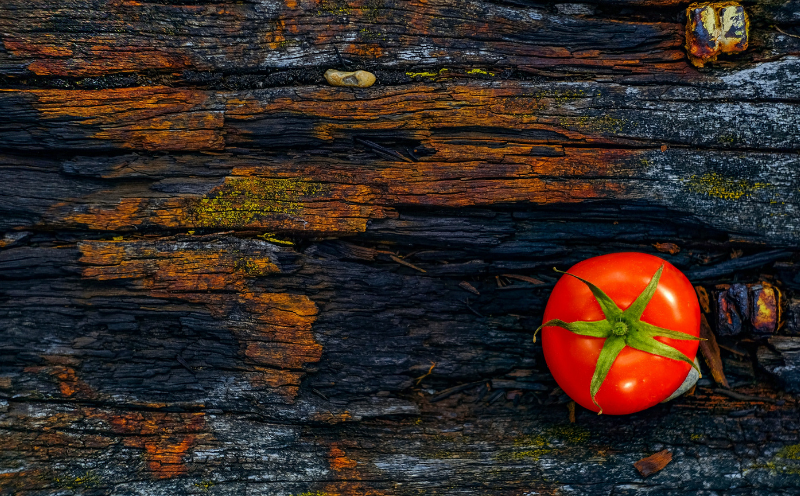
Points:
[637,379]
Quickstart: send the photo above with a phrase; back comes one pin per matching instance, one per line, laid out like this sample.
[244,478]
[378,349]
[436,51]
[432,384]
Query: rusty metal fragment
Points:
[765,312]
[713,28]
[734,28]
[653,463]
[731,310]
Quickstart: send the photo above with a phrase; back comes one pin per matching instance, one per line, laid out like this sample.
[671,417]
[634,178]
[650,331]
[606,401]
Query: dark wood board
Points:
[220,275]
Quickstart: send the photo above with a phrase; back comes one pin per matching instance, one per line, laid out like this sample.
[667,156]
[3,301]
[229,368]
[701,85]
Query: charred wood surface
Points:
[220,275]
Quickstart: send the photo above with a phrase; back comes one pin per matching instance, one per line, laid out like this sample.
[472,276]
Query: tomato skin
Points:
[637,380]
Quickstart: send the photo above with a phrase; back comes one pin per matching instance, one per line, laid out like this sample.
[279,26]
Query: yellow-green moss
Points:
[602,124]
[288,43]
[86,480]
[371,9]
[480,71]
[784,461]
[560,96]
[367,35]
[447,454]
[724,188]
[253,268]
[789,452]
[205,485]
[426,74]
[533,446]
[272,239]
[333,7]
[243,201]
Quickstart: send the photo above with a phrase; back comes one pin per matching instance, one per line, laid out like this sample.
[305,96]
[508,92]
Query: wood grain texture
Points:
[219,275]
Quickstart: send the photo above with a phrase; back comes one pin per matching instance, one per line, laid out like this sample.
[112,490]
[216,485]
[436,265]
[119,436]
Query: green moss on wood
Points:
[245,201]
[724,188]
[86,480]
[534,446]
[784,461]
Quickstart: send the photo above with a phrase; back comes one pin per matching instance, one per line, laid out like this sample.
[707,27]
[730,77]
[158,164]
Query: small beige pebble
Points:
[358,79]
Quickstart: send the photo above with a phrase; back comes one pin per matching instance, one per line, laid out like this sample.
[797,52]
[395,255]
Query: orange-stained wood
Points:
[141,118]
[128,36]
[276,339]
[333,197]
[350,479]
[165,437]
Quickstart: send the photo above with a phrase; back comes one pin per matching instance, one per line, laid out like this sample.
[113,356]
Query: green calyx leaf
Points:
[610,309]
[622,328]
[608,355]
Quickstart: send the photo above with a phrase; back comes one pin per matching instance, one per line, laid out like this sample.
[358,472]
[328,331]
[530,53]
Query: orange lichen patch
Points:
[69,384]
[283,338]
[369,51]
[198,267]
[12,482]
[61,368]
[47,47]
[346,468]
[276,338]
[165,437]
[338,461]
[102,59]
[127,214]
[703,298]
[275,38]
[147,118]
[59,435]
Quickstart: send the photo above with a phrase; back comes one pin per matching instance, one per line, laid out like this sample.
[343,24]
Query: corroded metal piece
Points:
[713,28]
[766,308]
[733,29]
[757,304]
[729,318]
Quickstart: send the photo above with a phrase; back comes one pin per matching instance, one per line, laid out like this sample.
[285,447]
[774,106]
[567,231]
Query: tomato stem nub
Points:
[622,328]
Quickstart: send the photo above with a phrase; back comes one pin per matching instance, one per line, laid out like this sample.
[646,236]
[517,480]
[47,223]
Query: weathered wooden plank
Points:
[751,196]
[539,143]
[92,38]
[136,352]
[144,352]
[714,115]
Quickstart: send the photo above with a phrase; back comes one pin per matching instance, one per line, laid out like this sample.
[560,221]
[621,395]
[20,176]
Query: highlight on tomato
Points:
[621,332]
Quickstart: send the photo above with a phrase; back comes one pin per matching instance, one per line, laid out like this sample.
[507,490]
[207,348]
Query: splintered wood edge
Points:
[653,463]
